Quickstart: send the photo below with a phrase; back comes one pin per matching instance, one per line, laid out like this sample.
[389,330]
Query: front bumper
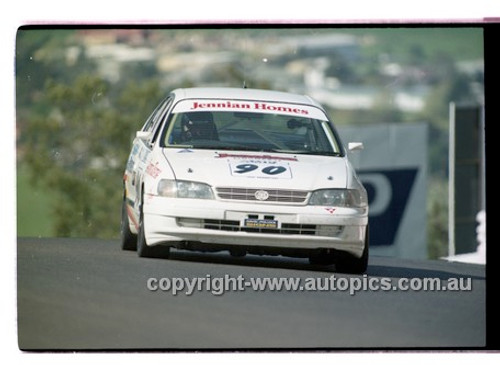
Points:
[227,223]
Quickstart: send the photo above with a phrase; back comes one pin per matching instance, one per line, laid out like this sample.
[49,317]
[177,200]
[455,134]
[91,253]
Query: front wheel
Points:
[353,265]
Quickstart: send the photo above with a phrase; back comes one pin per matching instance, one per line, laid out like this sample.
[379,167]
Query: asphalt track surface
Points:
[82,294]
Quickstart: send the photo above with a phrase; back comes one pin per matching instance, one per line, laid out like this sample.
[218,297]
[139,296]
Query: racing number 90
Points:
[268,170]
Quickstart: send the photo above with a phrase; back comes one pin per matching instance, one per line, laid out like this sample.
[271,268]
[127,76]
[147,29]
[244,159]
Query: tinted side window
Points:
[149,123]
[159,118]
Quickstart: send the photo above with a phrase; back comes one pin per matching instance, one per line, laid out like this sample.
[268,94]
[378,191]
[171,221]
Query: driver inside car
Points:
[198,126]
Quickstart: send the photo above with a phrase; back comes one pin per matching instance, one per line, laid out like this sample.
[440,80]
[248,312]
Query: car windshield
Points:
[250,131]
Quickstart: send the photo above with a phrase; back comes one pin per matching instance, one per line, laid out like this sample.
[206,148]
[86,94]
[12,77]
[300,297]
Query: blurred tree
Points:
[42,54]
[448,86]
[78,149]
[453,87]
[437,209]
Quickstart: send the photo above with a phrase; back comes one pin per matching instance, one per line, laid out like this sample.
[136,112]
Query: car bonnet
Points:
[256,169]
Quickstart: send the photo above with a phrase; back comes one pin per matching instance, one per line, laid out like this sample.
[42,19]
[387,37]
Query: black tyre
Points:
[143,250]
[353,265]
[128,239]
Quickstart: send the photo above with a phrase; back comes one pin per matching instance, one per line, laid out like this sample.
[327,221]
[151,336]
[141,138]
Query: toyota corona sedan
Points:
[246,171]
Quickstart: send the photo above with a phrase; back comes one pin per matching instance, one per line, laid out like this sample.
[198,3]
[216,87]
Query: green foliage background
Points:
[79,149]
[75,127]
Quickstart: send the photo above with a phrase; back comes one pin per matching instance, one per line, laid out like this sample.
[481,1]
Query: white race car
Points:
[248,171]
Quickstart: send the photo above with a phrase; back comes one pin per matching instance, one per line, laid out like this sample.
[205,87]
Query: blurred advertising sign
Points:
[393,169]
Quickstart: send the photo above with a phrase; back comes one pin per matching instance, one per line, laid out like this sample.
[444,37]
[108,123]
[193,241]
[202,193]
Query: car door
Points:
[141,151]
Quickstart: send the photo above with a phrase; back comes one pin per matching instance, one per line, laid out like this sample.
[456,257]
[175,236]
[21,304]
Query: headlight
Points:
[350,198]
[184,189]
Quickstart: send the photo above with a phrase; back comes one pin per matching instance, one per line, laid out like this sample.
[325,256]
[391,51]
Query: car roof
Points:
[244,94]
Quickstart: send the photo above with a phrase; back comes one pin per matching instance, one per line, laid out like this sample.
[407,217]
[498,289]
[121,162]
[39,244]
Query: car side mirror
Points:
[355,146]
[142,135]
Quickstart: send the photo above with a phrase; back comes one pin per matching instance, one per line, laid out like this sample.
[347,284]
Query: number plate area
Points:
[260,220]
[260,223]
[261,169]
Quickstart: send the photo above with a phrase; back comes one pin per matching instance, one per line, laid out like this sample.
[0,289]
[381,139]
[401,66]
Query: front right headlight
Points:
[348,198]
[184,189]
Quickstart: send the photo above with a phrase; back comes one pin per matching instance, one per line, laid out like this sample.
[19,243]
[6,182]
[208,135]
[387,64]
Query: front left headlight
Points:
[184,189]
[348,198]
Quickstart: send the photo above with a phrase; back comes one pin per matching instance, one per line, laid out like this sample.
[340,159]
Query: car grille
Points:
[275,195]
[286,228]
